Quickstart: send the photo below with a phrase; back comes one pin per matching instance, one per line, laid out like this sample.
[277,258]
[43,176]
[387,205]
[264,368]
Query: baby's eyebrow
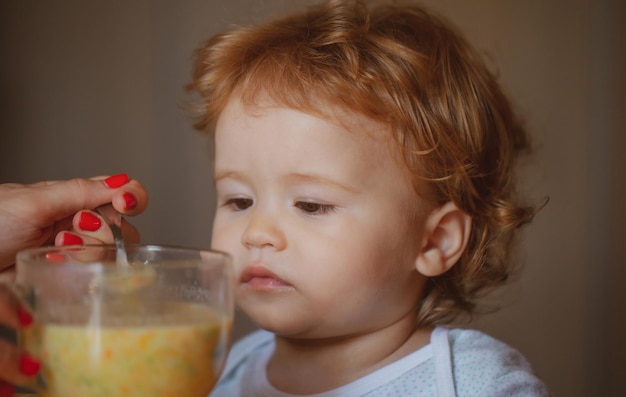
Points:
[319,179]
[219,175]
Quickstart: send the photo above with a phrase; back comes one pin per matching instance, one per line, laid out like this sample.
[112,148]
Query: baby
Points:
[364,167]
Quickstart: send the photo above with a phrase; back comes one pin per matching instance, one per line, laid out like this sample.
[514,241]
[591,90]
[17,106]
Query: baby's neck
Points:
[305,366]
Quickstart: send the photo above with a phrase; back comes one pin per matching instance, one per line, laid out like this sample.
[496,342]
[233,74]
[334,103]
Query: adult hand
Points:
[16,366]
[35,214]
[47,212]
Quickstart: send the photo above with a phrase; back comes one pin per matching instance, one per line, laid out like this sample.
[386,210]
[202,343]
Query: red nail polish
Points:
[55,258]
[131,201]
[29,366]
[71,239]
[89,222]
[6,389]
[24,316]
[116,181]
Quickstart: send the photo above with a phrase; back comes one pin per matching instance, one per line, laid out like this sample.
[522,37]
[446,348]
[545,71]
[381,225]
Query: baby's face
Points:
[317,220]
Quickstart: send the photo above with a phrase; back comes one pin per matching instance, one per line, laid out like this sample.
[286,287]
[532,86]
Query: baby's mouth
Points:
[259,277]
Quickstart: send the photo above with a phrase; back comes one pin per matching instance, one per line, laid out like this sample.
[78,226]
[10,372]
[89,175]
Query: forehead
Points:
[272,134]
[347,120]
[252,115]
[265,117]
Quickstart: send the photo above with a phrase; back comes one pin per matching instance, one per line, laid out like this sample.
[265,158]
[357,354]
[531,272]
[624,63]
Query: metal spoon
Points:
[128,278]
[114,220]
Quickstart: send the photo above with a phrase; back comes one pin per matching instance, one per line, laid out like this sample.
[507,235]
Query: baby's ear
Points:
[446,233]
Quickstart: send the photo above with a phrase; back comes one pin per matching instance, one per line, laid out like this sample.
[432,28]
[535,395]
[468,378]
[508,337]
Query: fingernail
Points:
[130,200]
[6,389]
[89,222]
[24,316]
[29,366]
[116,181]
[54,257]
[71,239]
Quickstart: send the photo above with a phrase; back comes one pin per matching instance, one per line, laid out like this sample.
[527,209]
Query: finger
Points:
[7,275]
[90,227]
[72,238]
[131,199]
[9,308]
[16,366]
[62,199]
[6,389]
[59,227]
[130,232]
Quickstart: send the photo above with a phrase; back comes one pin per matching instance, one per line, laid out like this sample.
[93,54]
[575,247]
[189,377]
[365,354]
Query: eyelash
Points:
[307,207]
[312,208]
[238,204]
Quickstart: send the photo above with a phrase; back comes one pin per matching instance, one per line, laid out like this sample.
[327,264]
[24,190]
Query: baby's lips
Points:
[259,272]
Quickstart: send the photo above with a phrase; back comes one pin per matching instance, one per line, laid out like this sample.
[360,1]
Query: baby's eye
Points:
[312,208]
[238,203]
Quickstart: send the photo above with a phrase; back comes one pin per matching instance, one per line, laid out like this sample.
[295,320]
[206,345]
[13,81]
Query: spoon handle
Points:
[113,219]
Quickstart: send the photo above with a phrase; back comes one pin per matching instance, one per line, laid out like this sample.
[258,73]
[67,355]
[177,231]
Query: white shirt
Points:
[455,363]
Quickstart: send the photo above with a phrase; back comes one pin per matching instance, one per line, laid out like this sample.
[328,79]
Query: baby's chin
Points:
[284,325]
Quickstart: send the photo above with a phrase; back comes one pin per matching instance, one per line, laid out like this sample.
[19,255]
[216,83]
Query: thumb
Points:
[56,200]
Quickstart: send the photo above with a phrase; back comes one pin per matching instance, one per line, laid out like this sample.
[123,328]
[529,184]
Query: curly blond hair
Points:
[406,68]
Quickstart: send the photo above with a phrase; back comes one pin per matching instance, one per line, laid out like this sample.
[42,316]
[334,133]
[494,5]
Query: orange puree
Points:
[171,357]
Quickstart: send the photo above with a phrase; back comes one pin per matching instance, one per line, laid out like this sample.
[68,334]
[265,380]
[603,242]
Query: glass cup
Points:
[158,327]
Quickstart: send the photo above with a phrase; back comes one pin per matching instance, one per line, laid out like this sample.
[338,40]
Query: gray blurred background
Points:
[91,88]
